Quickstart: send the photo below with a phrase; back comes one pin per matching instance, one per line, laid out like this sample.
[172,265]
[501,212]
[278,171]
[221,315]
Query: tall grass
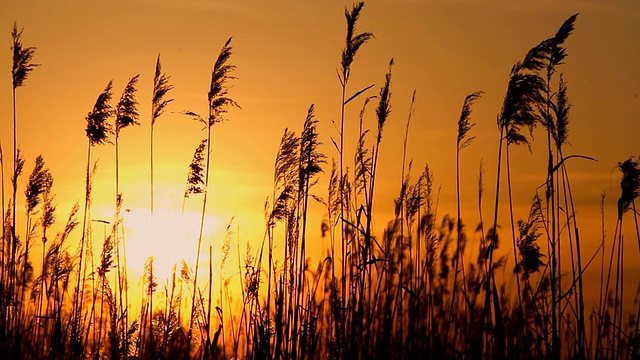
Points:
[218,101]
[21,67]
[97,131]
[126,114]
[415,290]
[353,43]
[159,102]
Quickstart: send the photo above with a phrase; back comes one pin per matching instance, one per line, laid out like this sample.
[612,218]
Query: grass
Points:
[417,290]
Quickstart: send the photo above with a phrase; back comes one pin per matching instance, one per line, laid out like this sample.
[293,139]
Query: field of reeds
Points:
[416,288]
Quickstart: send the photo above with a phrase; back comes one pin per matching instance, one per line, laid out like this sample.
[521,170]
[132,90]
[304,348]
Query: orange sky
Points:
[287,53]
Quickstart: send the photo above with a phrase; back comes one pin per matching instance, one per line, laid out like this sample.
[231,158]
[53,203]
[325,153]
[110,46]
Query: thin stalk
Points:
[634,349]
[77,298]
[2,259]
[117,235]
[580,300]
[202,217]
[490,248]
[161,87]
[402,207]
[599,319]
[209,346]
[151,179]
[151,291]
[12,262]
[513,231]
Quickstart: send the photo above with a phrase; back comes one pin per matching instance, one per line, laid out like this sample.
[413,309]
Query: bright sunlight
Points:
[172,236]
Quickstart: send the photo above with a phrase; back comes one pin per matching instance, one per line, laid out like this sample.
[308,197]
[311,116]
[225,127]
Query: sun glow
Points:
[170,236]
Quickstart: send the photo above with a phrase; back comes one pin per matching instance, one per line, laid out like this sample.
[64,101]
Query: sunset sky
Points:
[287,53]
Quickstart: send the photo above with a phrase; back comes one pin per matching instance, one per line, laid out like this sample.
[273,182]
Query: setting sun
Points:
[170,238]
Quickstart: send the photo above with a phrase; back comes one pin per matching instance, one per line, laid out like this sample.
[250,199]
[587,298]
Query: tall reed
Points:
[98,130]
[159,102]
[21,67]
[126,114]
[353,42]
[462,141]
[218,102]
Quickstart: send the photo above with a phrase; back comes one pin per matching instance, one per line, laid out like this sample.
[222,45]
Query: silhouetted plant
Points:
[463,140]
[353,43]
[159,102]
[195,176]
[218,101]
[126,114]
[529,232]
[21,67]
[40,181]
[98,130]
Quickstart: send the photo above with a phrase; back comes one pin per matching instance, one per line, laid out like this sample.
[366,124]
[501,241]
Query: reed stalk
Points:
[218,102]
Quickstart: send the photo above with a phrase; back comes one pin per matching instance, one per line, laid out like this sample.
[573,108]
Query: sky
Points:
[287,54]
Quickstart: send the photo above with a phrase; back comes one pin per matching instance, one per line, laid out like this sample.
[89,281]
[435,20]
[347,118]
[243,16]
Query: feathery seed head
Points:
[98,126]
[106,258]
[561,109]
[39,179]
[22,57]
[127,111]
[161,87]
[558,53]
[384,105]
[629,184]
[464,123]
[218,100]
[195,177]
[19,166]
[310,158]
[353,42]
[529,232]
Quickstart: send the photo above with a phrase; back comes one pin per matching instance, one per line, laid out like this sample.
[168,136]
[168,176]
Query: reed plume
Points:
[529,233]
[629,184]
[21,68]
[22,57]
[353,41]
[195,175]
[126,112]
[98,127]
[464,123]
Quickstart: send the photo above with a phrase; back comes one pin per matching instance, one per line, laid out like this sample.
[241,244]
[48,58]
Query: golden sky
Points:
[287,53]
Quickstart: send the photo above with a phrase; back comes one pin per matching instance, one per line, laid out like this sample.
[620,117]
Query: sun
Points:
[171,236]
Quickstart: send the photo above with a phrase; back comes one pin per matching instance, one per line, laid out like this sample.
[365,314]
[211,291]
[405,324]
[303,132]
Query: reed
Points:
[353,43]
[218,102]
[159,102]
[98,130]
[126,114]
[463,140]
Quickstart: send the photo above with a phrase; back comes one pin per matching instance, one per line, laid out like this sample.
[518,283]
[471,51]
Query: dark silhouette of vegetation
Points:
[414,291]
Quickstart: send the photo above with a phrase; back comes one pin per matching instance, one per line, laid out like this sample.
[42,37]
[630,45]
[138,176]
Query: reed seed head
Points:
[98,126]
[127,109]
[22,57]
